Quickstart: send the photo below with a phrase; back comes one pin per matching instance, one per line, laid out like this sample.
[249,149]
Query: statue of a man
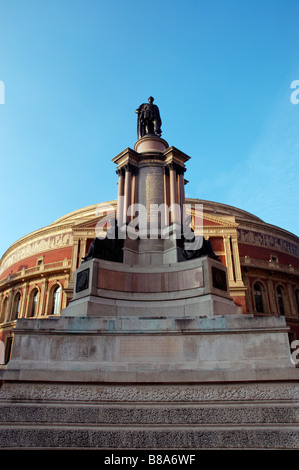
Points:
[149,120]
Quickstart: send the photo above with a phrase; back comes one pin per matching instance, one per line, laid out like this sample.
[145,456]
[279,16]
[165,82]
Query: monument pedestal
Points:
[139,349]
[157,364]
[151,352]
[151,184]
[197,287]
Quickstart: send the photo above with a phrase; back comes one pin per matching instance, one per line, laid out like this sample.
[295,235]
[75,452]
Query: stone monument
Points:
[151,339]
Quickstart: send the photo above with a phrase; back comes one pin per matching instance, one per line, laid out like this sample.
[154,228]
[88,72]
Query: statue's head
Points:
[151,99]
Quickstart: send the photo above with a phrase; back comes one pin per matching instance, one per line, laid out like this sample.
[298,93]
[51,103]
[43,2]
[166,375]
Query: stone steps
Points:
[99,437]
[145,416]
[135,415]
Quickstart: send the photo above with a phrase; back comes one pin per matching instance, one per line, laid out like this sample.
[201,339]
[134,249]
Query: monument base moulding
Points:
[164,362]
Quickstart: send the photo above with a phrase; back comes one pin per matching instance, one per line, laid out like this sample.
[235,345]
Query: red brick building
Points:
[262,260]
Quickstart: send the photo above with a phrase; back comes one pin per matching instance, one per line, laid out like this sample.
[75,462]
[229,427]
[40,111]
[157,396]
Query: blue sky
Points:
[74,72]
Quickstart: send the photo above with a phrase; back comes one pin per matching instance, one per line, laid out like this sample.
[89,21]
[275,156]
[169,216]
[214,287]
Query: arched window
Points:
[33,307]
[16,306]
[4,310]
[280,301]
[258,298]
[56,297]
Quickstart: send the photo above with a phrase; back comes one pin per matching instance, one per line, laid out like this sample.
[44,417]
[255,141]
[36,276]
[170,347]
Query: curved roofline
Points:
[71,217]
[240,213]
[231,208]
[74,214]
[67,220]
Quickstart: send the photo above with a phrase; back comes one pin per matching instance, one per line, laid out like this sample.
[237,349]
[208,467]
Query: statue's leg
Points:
[151,127]
[157,130]
[147,127]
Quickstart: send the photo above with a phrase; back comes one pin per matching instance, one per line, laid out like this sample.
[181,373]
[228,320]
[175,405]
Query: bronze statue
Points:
[149,120]
[200,247]
[109,248]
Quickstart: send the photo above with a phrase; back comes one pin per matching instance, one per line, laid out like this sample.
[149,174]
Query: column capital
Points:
[175,166]
[174,154]
[126,156]
[120,171]
[128,167]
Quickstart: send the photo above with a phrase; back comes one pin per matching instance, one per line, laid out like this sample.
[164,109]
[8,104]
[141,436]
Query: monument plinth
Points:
[151,182]
[150,144]
[151,338]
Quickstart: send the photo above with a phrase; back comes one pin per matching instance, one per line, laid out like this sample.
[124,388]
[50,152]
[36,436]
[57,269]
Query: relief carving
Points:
[29,249]
[270,241]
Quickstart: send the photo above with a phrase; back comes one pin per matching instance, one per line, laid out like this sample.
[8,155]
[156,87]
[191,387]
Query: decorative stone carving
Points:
[82,280]
[38,246]
[263,239]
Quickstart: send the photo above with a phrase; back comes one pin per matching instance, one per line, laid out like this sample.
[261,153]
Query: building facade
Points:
[37,272]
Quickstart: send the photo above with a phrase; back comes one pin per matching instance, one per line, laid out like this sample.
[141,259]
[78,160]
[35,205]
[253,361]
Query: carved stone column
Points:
[24,300]
[173,185]
[74,258]
[272,298]
[248,292]
[150,173]
[120,196]
[182,199]
[166,197]
[83,242]
[134,193]
[236,260]
[228,258]
[42,303]
[127,192]
[173,193]
[9,305]
[291,296]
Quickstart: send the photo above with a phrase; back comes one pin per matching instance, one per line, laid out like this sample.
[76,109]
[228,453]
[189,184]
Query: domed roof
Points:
[224,209]
[59,232]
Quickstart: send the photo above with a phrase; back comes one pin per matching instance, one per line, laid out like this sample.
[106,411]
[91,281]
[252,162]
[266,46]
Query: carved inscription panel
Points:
[140,348]
[150,282]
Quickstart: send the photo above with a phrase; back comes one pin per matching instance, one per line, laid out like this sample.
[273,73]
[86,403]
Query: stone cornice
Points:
[268,229]
[37,235]
[127,156]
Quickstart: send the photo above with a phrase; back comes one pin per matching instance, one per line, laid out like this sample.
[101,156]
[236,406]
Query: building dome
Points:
[262,260]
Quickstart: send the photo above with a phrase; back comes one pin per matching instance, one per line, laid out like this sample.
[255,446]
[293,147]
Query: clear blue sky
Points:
[75,71]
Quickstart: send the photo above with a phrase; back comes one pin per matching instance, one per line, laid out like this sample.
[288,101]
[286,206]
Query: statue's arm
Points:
[158,115]
[138,110]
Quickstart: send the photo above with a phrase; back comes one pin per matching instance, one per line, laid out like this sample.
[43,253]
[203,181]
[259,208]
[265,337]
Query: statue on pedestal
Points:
[109,248]
[149,120]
